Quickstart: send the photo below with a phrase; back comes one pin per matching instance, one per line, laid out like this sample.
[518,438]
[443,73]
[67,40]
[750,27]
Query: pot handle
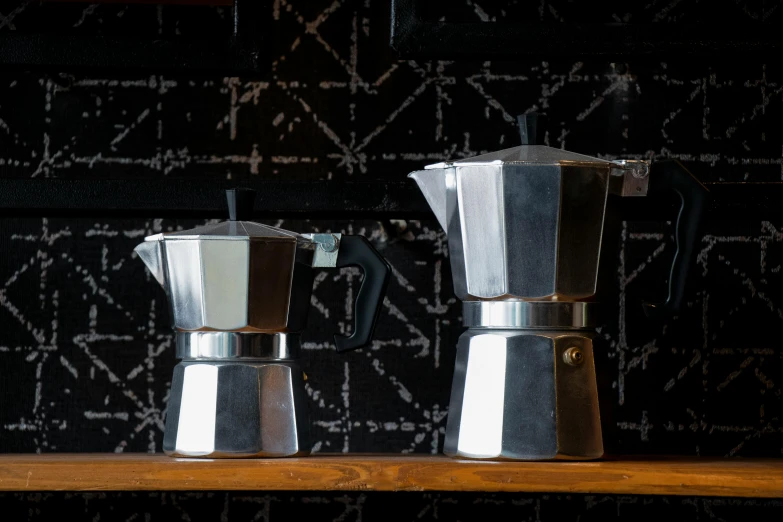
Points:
[672,175]
[357,251]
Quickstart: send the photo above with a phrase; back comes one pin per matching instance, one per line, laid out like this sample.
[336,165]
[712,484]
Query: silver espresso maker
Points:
[526,227]
[239,293]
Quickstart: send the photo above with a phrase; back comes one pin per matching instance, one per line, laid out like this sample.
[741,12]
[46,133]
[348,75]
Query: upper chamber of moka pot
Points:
[526,223]
[234,275]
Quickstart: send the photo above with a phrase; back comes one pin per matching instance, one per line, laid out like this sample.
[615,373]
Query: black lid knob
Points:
[532,128]
[240,203]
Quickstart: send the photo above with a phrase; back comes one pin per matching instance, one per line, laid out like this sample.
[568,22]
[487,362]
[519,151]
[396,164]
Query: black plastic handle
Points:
[532,128]
[240,203]
[357,251]
[672,175]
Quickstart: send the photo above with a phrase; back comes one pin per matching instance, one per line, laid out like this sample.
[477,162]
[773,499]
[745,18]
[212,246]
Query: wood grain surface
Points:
[647,476]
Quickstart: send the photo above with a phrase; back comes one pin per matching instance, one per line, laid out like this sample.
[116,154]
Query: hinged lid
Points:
[532,151]
[528,154]
[240,209]
[236,230]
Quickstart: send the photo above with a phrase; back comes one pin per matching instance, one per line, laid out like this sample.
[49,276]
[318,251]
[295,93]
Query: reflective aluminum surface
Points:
[238,276]
[527,155]
[526,229]
[515,396]
[526,223]
[234,345]
[237,409]
[529,314]
[239,293]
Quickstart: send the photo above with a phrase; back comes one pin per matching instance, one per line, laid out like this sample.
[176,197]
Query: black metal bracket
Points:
[414,37]
[332,199]
[241,52]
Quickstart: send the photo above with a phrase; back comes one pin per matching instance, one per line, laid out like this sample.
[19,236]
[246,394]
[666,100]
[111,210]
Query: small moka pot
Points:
[239,294]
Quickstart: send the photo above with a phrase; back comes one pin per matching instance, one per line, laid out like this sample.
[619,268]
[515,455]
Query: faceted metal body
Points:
[238,293]
[242,283]
[515,397]
[237,409]
[525,229]
[525,223]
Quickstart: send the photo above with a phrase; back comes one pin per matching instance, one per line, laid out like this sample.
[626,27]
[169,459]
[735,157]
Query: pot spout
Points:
[151,253]
[432,183]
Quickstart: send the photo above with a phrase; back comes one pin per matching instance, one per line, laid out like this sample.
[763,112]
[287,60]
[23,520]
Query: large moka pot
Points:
[526,231]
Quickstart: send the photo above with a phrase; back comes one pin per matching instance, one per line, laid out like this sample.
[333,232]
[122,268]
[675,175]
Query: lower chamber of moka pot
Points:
[237,408]
[524,395]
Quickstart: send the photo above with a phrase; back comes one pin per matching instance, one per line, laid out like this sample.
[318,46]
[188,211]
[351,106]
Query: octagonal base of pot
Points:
[516,396]
[237,409]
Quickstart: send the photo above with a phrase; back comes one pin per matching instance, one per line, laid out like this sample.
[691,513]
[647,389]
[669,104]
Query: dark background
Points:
[86,351]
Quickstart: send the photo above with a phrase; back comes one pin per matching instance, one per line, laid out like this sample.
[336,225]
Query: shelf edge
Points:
[141,472]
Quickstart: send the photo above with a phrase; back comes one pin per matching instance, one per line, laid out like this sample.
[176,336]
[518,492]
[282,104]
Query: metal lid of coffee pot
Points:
[527,155]
[533,153]
[235,230]
[240,208]
[527,223]
[241,276]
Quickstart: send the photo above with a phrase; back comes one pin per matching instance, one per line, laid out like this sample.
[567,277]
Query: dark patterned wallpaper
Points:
[86,351]
[203,506]
[610,11]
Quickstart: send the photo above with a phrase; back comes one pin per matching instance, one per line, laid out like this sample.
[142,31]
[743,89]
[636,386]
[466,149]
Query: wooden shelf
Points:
[643,476]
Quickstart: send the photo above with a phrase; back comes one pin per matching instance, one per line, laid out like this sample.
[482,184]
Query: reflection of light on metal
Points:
[196,430]
[224,277]
[481,426]
[525,227]
[239,293]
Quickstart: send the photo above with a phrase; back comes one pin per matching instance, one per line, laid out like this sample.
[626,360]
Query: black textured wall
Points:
[86,352]
[203,506]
